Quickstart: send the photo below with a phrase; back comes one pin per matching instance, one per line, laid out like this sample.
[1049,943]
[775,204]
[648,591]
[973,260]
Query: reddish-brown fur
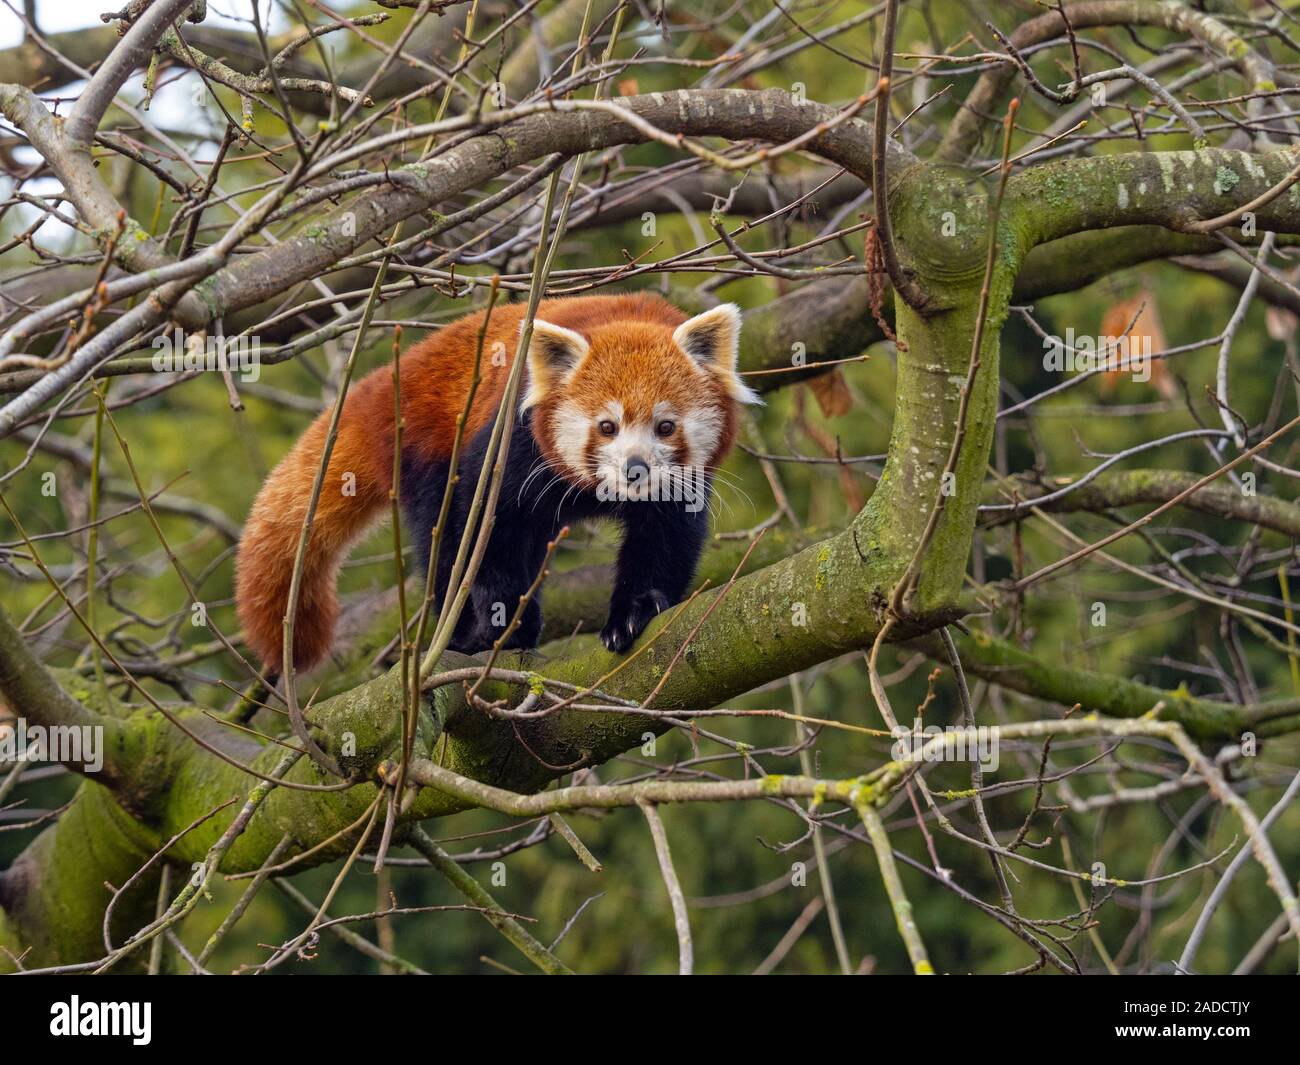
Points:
[435,377]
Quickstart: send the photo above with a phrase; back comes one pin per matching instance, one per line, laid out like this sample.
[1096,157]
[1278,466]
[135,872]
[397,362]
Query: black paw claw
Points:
[627,621]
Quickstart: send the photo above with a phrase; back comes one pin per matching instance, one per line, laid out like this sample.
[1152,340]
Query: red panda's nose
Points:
[636,468]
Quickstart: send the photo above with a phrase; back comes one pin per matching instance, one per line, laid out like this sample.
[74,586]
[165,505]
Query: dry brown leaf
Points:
[1280,323]
[832,393]
[1146,336]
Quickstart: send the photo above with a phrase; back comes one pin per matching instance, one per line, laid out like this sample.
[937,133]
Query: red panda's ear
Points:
[712,339]
[553,354]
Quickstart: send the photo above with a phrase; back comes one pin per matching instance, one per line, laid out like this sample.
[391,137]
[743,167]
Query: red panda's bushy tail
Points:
[353,495]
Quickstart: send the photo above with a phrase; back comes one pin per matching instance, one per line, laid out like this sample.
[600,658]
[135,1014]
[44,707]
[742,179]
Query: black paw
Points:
[470,638]
[627,620]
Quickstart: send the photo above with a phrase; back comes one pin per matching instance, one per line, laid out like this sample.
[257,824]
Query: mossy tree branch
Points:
[1169,189]
[1121,488]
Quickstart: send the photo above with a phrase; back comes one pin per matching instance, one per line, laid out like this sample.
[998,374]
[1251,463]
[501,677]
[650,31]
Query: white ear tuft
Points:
[712,340]
[553,354]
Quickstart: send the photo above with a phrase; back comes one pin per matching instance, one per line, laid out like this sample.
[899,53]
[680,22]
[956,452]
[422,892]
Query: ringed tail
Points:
[354,495]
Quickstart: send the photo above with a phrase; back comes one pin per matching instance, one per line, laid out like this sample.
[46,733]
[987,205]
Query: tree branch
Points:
[964,132]
[131,52]
[1169,189]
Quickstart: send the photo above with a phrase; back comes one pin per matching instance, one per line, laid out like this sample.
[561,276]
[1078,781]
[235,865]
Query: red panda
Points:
[627,407]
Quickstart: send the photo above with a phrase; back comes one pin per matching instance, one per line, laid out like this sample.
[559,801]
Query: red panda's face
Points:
[640,407]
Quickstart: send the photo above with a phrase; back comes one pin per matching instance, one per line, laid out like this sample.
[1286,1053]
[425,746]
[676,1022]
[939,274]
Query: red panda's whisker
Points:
[560,505]
[542,465]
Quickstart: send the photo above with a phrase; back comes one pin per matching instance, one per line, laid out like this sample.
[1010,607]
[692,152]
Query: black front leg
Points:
[491,605]
[510,565]
[661,548]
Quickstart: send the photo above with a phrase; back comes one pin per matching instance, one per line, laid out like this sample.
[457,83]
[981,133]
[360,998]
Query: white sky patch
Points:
[56,16]
[172,109]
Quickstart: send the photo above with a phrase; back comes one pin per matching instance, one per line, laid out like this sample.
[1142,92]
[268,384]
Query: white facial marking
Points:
[702,429]
[570,427]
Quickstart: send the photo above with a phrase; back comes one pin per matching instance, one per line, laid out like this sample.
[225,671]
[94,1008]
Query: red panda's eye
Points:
[665,427]
[608,428]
